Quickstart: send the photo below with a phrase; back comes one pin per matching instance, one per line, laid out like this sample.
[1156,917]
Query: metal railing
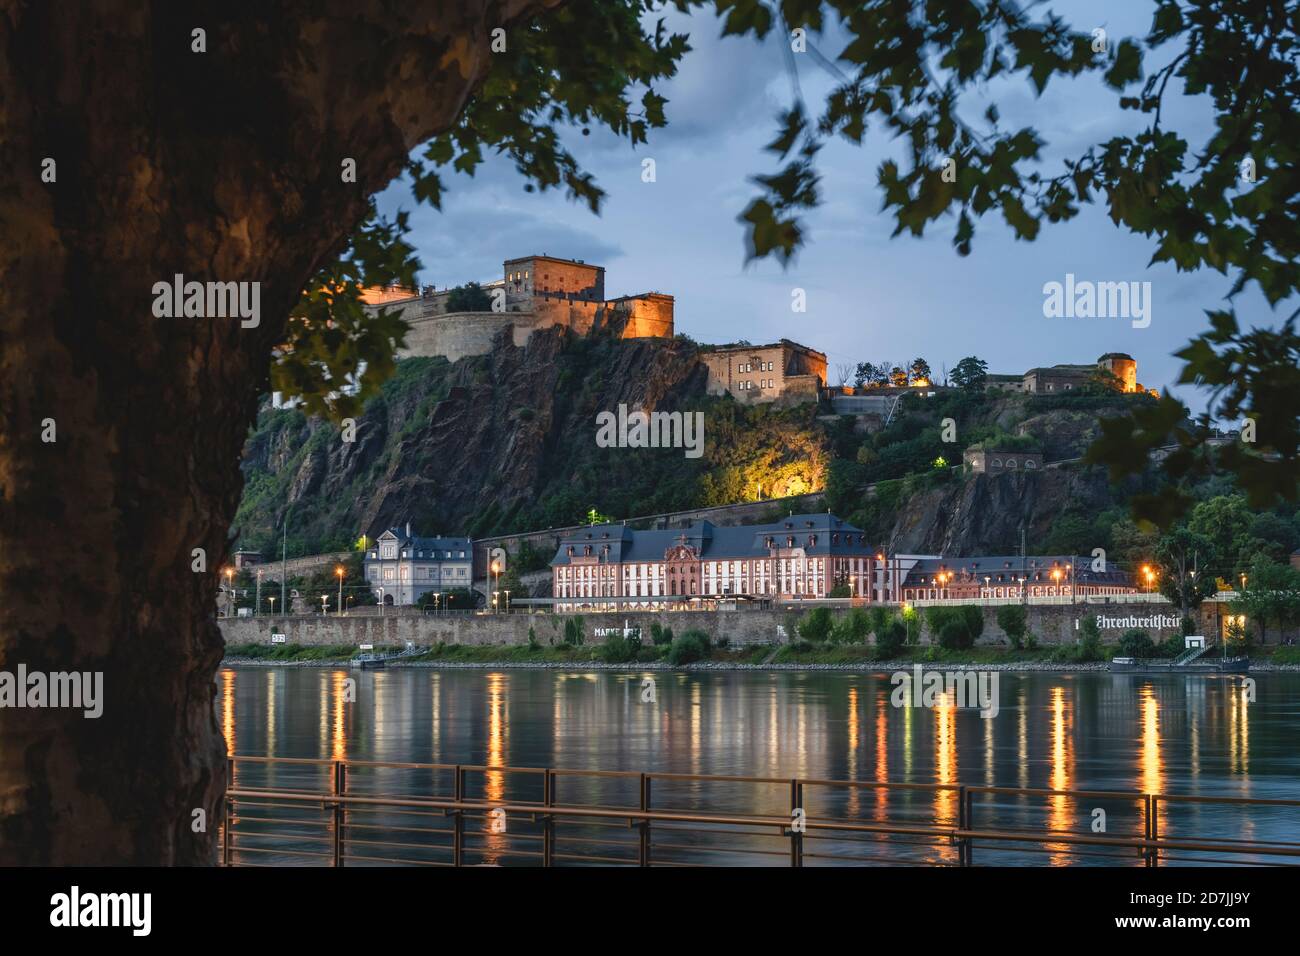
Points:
[282,811]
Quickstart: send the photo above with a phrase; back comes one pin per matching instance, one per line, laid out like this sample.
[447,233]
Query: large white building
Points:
[800,556]
[402,568]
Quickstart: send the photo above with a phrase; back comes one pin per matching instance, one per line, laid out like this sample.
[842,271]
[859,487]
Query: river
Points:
[1192,735]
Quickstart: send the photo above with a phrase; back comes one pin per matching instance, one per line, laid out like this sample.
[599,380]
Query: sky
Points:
[868,297]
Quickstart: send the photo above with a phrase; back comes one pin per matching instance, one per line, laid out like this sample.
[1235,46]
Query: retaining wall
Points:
[1051,624]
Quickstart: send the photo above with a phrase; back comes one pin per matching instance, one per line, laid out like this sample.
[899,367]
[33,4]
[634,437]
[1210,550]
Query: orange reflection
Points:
[882,757]
[228,709]
[494,781]
[855,795]
[945,756]
[1238,729]
[1061,807]
[339,739]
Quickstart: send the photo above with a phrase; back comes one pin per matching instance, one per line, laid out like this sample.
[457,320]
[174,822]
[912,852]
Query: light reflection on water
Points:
[1082,731]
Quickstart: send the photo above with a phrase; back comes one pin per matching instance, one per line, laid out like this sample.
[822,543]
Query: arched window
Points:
[1011,463]
[1029,463]
[997,462]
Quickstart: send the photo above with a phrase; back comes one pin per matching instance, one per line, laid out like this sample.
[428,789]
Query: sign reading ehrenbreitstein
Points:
[651,430]
[1154,621]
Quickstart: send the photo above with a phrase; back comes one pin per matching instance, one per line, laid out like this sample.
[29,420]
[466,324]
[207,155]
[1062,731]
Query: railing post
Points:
[1146,828]
[230,812]
[548,821]
[1153,858]
[963,824]
[796,837]
[645,822]
[458,824]
[340,788]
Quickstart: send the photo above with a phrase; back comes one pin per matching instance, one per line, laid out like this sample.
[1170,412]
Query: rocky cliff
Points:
[507,441]
[984,514]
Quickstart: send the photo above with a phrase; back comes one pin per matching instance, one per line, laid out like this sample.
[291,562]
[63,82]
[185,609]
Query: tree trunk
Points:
[221,165]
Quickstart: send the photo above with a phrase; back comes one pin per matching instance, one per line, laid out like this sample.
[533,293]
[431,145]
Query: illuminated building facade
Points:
[801,556]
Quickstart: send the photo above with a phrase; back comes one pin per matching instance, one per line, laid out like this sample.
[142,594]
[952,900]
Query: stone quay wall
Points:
[1051,624]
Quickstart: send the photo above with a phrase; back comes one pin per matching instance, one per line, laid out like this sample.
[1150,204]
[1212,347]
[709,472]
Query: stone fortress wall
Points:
[539,292]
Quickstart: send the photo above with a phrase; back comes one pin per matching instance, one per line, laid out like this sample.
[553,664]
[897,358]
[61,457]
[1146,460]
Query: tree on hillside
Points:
[1184,559]
[919,371]
[870,375]
[1271,596]
[898,377]
[470,297]
[970,373]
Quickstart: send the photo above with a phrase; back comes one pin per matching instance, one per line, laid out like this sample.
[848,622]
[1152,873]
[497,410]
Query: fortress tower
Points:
[539,291]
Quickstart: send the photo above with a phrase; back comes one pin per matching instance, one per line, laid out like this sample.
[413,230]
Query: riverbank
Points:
[764,657]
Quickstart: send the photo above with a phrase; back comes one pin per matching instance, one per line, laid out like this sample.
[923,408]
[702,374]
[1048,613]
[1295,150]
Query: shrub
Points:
[660,635]
[573,631]
[890,639]
[957,628]
[532,640]
[1136,643]
[912,622]
[1090,640]
[691,646]
[853,628]
[1171,646]
[617,650]
[1011,618]
[816,626]
[880,619]
[840,591]
[953,635]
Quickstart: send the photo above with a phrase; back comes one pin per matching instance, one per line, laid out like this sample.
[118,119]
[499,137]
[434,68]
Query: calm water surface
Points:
[1075,731]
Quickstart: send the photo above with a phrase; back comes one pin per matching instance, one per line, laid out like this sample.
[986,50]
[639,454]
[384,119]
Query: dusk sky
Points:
[869,298]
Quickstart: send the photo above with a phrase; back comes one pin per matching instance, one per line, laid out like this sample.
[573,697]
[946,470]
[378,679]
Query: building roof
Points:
[571,262]
[430,546]
[992,565]
[713,542]
[783,343]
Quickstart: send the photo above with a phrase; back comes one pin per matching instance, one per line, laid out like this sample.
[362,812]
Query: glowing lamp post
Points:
[339,572]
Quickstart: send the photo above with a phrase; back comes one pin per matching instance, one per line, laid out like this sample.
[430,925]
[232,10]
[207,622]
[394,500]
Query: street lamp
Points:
[324,600]
[494,601]
[339,572]
[507,594]
[272,599]
[230,594]
[496,570]
[436,596]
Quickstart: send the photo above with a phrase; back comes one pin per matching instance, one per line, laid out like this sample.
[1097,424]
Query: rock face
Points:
[447,442]
[983,514]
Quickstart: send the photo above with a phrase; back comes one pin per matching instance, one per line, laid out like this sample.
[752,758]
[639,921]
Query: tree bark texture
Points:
[222,165]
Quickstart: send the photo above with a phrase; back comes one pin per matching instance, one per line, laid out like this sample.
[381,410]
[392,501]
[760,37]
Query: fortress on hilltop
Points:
[535,292]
